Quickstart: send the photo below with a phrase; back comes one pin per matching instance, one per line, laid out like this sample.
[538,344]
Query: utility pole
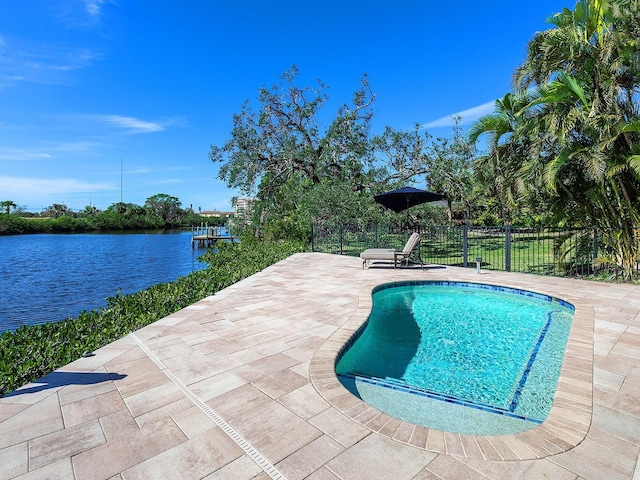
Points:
[121,164]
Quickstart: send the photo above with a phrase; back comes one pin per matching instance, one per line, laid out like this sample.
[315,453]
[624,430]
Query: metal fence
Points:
[544,251]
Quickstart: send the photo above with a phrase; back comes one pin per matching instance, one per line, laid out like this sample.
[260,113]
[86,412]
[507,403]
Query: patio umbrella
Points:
[406,197]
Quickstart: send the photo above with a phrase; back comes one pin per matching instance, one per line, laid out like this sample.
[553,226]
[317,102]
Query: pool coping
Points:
[565,427]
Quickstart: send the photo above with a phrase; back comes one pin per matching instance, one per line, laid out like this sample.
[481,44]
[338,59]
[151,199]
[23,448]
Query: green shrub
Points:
[70,224]
[12,224]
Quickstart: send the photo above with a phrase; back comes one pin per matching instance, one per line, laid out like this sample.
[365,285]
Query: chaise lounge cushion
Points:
[378,254]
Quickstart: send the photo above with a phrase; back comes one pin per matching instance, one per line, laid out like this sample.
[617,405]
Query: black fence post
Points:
[595,249]
[465,245]
[312,240]
[507,246]
[341,239]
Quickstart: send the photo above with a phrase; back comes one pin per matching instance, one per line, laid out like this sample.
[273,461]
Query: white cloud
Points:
[145,170]
[41,63]
[51,151]
[75,146]
[47,56]
[82,14]
[21,154]
[167,181]
[133,125]
[94,7]
[467,116]
[74,59]
[139,171]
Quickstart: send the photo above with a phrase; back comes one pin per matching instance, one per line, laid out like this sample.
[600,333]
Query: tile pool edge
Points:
[564,428]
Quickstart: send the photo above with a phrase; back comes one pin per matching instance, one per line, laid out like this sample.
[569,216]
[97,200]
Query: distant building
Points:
[215,213]
[242,207]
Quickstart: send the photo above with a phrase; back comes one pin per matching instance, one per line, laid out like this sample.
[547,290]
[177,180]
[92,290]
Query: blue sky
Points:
[103,98]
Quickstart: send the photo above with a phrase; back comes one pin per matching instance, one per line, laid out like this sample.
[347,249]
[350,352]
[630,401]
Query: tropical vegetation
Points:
[563,148]
[299,172]
[567,139]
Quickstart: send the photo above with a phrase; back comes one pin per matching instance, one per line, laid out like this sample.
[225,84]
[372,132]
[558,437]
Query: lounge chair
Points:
[391,255]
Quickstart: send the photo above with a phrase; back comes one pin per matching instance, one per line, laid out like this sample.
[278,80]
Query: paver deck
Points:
[241,386]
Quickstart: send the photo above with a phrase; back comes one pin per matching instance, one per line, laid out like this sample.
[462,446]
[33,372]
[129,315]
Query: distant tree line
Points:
[159,211]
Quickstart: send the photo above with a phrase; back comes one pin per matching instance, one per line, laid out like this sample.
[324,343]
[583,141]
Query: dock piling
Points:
[205,236]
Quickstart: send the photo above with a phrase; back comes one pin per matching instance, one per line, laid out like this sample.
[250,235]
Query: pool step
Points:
[398,385]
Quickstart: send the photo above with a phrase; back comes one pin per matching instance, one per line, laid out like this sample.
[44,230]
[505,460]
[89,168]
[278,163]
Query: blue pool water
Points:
[462,357]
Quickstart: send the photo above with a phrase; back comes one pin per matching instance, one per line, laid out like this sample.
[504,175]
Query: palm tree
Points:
[7,205]
[58,210]
[503,167]
[586,73]
[597,167]
[577,127]
[90,210]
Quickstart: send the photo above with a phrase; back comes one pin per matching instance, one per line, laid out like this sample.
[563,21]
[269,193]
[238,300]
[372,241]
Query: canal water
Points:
[50,277]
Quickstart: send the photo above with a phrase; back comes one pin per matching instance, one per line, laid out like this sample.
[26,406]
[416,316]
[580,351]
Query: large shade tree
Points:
[284,139]
[166,207]
[57,210]
[281,152]
[299,171]
[450,170]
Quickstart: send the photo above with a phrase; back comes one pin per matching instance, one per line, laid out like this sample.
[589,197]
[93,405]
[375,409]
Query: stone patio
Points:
[241,386]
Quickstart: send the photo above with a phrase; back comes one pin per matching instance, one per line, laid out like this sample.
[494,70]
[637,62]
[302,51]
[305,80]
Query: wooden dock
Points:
[205,236]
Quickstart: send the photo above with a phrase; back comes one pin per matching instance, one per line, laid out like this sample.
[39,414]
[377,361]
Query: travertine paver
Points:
[65,443]
[14,460]
[194,458]
[241,386]
[379,457]
[124,452]
[309,458]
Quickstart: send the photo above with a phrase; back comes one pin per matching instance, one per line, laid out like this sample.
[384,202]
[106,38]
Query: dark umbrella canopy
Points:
[406,197]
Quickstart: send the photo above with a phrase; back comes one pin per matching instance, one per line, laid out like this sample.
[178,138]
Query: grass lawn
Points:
[534,251]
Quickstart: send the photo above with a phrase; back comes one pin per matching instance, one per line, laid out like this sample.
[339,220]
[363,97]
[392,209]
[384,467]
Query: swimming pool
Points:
[458,356]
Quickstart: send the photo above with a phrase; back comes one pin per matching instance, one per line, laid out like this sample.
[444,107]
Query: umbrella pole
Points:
[407,209]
